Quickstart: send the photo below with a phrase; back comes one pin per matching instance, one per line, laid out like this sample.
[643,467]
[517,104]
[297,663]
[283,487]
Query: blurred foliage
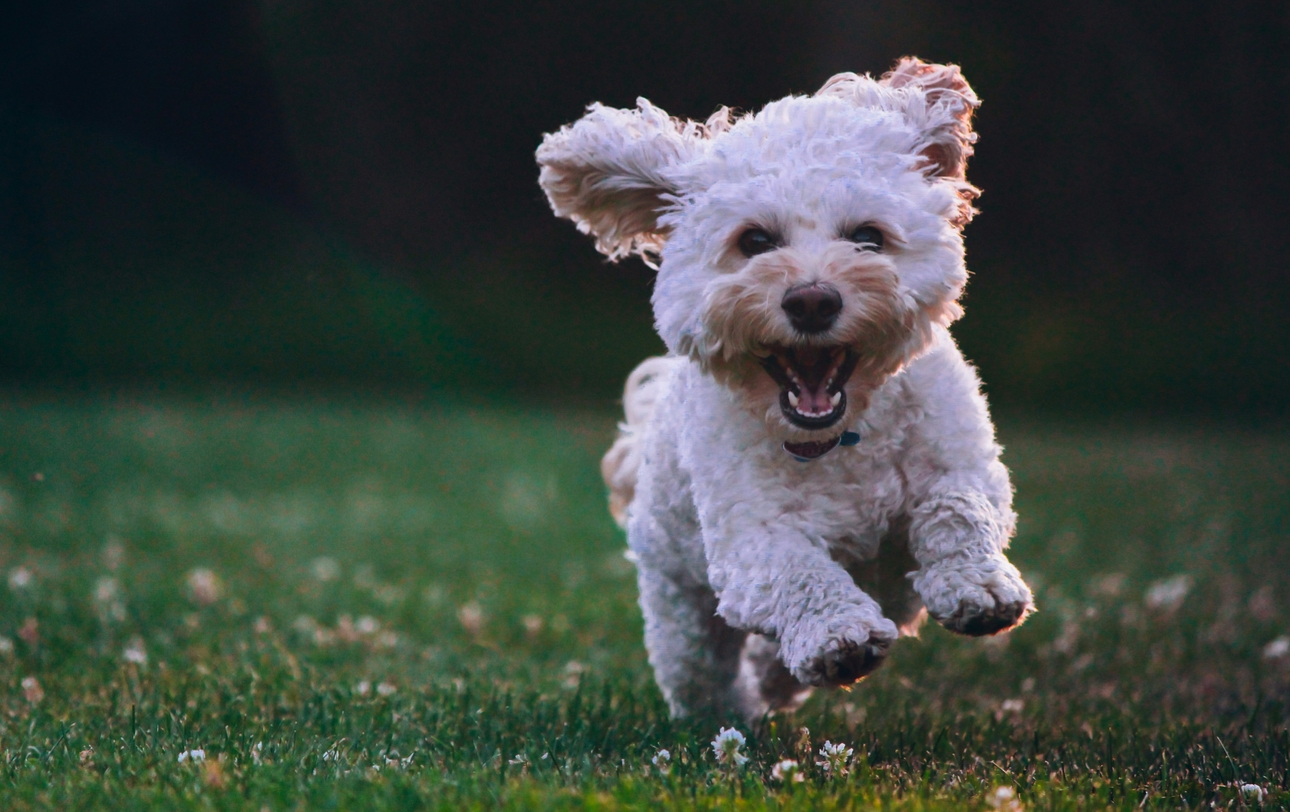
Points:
[345,193]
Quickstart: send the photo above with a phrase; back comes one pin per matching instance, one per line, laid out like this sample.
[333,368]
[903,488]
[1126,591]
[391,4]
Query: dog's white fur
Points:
[761,575]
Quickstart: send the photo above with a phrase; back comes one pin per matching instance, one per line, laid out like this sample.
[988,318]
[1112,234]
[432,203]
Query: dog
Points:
[812,468]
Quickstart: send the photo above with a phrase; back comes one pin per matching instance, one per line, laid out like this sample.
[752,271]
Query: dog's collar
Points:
[808,452]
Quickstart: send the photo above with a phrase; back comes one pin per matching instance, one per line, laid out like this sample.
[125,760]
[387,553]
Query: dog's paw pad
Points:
[976,621]
[845,662]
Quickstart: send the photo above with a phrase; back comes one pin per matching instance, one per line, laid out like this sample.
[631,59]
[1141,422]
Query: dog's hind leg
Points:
[695,654]
[621,464]
[765,685]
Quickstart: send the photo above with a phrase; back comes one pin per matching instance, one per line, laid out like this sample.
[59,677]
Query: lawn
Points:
[258,602]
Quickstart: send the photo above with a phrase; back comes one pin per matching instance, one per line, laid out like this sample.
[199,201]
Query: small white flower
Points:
[6,646]
[385,689]
[532,625]
[195,756]
[31,690]
[1277,648]
[363,688]
[1253,791]
[19,578]
[726,746]
[106,590]
[787,772]
[662,762]
[204,586]
[1167,594]
[834,758]
[324,569]
[471,616]
[135,652]
[1004,799]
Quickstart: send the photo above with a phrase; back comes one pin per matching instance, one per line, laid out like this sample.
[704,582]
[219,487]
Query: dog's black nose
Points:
[812,308]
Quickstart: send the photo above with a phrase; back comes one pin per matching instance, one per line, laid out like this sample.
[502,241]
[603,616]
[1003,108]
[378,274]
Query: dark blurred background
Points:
[343,194]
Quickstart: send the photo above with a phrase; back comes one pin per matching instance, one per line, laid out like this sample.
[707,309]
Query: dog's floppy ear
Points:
[607,172]
[938,102]
[949,102]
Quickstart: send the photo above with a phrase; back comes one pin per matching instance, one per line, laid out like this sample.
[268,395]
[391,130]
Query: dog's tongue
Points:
[814,399]
[812,367]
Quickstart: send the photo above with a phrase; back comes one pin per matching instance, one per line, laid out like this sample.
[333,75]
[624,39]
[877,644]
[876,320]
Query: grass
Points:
[359,605]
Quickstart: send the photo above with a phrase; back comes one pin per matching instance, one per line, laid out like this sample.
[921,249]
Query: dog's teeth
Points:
[792,399]
[836,399]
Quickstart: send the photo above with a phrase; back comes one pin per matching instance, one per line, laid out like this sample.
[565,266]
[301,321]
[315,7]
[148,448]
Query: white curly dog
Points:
[813,462]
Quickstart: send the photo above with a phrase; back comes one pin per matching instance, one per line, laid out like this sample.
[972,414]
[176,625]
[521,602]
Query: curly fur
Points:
[761,575]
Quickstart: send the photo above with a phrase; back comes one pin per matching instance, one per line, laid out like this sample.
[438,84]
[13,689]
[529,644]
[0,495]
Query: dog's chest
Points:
[850,499]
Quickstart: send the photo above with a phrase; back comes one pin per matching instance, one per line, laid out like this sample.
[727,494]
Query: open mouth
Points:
[811,381]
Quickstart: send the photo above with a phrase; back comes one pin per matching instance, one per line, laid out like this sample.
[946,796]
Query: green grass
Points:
[442,583]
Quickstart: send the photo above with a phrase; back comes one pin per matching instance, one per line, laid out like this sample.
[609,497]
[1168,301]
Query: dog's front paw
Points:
[975,598]
[846,657]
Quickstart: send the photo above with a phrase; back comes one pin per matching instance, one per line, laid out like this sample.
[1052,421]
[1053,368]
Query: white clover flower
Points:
[1167,594]
[1004,799]
[31,690]
[6,646]
[194,756]
[204,586]
[324,569]
[471,616]
[662,762]
[19,578]
[726,746]
[108,603]
[1277,648]
[135,652]
[787,772]
[1253,791]
[834,758]
[385,689]
[363,688]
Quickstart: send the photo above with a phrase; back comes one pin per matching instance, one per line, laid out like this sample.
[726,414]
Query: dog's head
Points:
[804,252]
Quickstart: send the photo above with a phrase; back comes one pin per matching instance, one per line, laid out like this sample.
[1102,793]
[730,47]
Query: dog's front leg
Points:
[964,579]
[772,579]
[960,502]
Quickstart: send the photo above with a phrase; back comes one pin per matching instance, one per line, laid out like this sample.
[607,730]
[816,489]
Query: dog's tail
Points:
[622,462]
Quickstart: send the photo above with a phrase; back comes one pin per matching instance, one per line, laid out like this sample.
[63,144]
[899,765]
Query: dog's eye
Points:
[866,237]
[756,241]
